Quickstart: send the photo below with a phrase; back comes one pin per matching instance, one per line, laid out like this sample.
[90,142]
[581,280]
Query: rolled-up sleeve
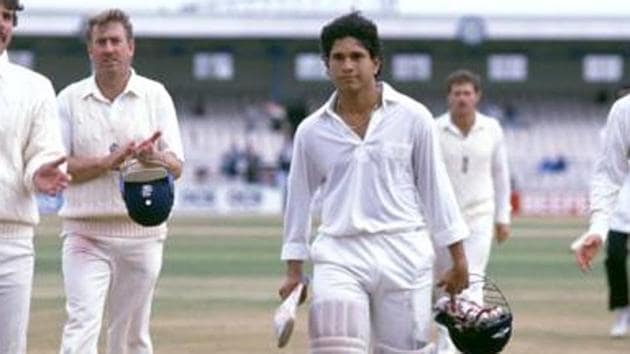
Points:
[501,180]
[436,193]
[301,186]
[610,171]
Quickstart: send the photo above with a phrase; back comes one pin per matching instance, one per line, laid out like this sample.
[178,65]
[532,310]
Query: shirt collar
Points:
[4,63]
[388,96]
[133,87]
[448,124]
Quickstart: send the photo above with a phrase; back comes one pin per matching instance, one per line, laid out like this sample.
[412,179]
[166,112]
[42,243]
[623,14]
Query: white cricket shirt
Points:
[610,187]
[477,166]
[392,181]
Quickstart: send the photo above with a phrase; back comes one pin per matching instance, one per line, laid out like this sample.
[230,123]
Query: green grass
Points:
[219,281]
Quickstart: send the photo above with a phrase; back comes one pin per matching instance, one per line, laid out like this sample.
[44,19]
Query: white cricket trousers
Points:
[477,247]
[115,275]
[371,288]
[16,279]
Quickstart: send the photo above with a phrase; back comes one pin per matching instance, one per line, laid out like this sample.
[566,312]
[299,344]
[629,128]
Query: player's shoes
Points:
[622,323]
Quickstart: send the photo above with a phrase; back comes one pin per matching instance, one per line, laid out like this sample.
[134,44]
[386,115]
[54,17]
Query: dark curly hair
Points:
[12,5]
[351,25]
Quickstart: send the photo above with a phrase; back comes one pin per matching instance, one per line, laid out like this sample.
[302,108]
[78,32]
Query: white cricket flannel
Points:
[29,137]
[477,167]
[90,124]
[382,184]
[610,187]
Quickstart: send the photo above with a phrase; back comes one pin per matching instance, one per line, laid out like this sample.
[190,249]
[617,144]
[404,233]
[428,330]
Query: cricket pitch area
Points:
[218,290]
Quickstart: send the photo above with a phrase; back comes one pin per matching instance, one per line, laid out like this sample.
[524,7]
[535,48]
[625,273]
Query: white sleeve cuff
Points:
[451,235]
[502,217]
[294,251]
[599,229]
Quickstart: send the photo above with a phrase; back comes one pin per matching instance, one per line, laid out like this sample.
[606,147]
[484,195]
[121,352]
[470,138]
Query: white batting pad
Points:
[337,345]
[339,327]
[384,349]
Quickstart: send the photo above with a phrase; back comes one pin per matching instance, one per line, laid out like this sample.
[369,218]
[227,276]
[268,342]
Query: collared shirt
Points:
[610,187]
[29,137]
[391,181]
[121,108]
[93,125]
[477,166]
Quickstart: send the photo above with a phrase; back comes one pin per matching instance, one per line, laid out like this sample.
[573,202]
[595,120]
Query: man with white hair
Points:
[109,257]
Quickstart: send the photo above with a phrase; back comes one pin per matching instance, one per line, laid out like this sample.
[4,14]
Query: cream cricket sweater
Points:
[29,137]
[90,125]
[477,167]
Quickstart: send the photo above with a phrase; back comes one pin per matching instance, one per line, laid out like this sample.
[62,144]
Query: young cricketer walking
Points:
[375,155]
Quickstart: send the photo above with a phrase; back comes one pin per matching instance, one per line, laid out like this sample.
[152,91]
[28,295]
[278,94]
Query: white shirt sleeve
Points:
[302,183]
[167,123]
[501,180]
[610,171]
[436,193]
[65,122]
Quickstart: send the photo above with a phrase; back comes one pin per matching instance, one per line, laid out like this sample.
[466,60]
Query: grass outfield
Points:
[220,276]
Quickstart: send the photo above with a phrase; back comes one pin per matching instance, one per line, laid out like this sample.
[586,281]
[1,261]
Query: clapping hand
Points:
[147,151]
[50,179]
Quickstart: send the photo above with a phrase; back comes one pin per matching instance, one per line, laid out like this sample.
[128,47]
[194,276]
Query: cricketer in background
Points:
[30,155]
[109,262]
[610,212]
[475,156]
[375,154]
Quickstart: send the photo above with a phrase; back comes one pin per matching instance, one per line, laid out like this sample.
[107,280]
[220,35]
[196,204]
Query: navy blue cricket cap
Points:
[148,192]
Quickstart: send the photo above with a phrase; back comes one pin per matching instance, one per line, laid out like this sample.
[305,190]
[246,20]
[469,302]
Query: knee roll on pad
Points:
[384,349]
[339,326]
[336,345]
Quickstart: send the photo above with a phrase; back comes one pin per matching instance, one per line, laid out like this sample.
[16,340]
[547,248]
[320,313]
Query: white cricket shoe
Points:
[622,323]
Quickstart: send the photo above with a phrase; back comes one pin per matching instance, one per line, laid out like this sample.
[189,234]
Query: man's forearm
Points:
[294,268]
[171,163]
[458,255]
[83,169]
